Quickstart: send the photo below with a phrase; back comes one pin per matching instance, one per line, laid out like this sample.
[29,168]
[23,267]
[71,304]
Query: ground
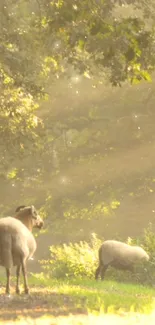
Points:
[78,302]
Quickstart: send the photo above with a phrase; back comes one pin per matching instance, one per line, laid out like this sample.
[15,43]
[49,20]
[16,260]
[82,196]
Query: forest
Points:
[77,141]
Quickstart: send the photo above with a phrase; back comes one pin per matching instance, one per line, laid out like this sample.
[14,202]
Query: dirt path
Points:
[41,302]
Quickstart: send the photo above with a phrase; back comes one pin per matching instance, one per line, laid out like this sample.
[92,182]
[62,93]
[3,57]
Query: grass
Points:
[105,296]
[78,302]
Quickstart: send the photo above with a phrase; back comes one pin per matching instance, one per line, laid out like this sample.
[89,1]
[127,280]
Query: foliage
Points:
[18,56]
[18,124]
[19,83]
[77,154]
[72,260]
[93,38]
[79,260]
[47,37]
[41,41]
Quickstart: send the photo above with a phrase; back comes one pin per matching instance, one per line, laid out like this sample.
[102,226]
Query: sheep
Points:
[17,243]
[120,256]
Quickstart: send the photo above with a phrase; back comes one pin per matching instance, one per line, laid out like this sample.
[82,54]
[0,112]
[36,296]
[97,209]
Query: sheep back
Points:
[113,251]
[16,242]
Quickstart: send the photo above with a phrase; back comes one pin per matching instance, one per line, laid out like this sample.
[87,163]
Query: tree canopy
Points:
[42,41]
[39,37]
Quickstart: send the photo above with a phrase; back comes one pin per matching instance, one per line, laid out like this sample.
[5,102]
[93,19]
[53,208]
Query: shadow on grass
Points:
[62,298]
[39,303]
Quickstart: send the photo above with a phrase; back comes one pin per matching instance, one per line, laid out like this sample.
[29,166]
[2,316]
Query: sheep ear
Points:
[20,208]
[33,212]
[32,209]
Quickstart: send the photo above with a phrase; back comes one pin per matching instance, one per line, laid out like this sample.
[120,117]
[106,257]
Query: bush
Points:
[81,259]
[73,260]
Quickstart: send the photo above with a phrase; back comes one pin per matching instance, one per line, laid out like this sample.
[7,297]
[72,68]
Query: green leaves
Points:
[60,29]
[12,174]
[45,41]
[73,260]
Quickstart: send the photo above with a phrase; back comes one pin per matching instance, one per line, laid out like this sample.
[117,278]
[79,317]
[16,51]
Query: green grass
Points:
[107,296]
[58,300]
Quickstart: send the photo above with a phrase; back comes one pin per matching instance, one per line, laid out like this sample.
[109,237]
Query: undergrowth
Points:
[79,260]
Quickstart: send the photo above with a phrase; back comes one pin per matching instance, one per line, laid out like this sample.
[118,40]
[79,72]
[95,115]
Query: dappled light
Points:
[77,139]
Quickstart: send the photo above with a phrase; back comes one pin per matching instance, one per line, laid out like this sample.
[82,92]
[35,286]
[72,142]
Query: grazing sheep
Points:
[17,243]
[120,256]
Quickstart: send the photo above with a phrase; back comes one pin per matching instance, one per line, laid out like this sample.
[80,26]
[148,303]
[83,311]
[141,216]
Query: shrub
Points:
[81,259]
[73,260]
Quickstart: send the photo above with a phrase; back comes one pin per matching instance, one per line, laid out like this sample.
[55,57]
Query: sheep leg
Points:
[18,278]
[97,272]
[25,277]
[103,270]
[8,274]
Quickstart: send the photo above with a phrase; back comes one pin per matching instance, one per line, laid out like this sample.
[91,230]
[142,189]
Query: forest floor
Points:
[78,302]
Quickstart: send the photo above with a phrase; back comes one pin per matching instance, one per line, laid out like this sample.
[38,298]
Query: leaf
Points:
[81,44]
[12,174]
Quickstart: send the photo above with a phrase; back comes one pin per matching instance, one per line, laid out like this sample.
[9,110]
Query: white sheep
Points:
[120,256]
[17,243]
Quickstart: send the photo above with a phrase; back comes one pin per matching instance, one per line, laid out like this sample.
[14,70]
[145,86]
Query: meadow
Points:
[78,302]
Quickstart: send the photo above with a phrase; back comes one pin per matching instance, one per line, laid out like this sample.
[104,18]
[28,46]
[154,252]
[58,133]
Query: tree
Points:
[42,36]
[60,165]
[93,37]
